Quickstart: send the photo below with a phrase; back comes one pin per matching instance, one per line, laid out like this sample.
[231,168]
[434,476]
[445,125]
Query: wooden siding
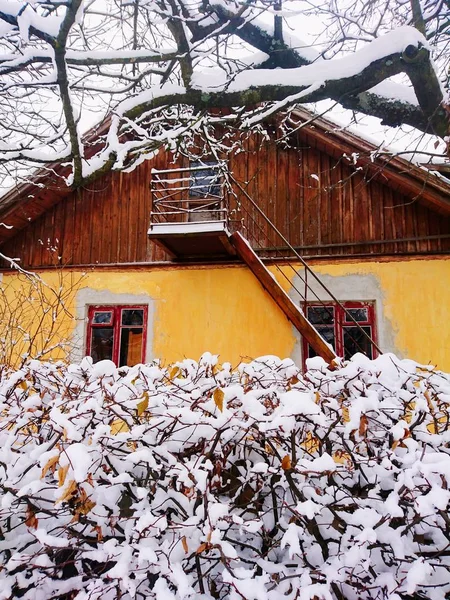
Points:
[320,203]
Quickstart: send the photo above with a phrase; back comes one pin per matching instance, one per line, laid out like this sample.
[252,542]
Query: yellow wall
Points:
[224,309]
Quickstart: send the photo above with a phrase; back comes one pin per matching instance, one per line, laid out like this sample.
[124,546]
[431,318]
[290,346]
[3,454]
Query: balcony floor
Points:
[203,240]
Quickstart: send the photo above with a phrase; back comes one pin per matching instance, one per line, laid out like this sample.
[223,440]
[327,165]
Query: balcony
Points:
[189,217]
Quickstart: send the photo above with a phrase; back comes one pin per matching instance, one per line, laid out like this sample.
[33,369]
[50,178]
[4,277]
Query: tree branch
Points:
[64,90]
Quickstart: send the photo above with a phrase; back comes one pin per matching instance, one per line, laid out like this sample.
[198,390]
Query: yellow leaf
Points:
[218,398]
[62,472]
[345,414]
[69,492]
[174,372]
[184,544]
[119,426]
[311,444]
[31,520]
[317,397]
[341,457]
[433,427]
[286,463]
[143,404]
[51,464]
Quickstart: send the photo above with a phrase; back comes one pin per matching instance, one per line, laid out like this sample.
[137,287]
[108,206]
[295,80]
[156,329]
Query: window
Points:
[337,328]
[117,333]
[205,179]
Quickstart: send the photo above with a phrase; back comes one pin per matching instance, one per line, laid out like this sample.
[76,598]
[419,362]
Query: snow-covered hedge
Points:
[197,481]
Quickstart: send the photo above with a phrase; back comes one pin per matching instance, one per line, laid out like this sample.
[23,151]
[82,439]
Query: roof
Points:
[29,200]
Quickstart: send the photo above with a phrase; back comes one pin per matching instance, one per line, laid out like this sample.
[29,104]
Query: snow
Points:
[187,228]
[27,17]
[315,74]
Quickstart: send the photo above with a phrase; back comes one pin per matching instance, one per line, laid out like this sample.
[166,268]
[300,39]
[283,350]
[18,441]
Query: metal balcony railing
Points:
[186,195]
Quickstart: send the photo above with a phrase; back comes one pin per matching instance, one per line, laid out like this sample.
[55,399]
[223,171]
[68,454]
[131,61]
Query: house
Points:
[177,257]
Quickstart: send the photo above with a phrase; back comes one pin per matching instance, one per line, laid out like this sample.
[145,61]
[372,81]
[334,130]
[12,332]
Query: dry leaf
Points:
[69,492]
[119,426]
[363,423]
[31,520]
[62,472]
[84,504]
[174,372]
[286,463]
[218,398]
[99,532]
[317,397]
[51,464]
[341,457]
[184,544]
[143,405]
[202,547]
[311,444]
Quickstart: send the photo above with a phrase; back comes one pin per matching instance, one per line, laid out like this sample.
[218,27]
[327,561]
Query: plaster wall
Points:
[224,310]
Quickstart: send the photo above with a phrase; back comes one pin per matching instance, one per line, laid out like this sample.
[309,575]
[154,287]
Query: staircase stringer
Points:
[285,303]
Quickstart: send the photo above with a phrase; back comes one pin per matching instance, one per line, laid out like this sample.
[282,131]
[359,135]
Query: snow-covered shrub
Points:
[197,481]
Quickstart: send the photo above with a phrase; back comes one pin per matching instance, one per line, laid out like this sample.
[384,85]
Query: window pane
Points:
[359,314]
[327,333]
[205,182]
[133,316]
[102,340]
[130,346]
[102,317]
[355,341]
[321,315]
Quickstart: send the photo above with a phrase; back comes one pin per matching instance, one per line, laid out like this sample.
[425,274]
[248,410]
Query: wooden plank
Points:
[336,224]
[296,187]
[289,308]
[282,199]
[311,211]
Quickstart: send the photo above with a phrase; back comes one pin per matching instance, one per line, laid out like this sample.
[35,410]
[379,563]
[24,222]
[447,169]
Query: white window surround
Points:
[87,297]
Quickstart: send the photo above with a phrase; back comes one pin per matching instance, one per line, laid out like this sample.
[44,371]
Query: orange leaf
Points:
[363,423]
[184,544]
[99,532]
[31,520]
[202,547]
[286,463]
[218,398]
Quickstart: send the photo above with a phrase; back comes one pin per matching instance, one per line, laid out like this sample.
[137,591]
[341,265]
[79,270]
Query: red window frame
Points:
[341,321]
[116,323]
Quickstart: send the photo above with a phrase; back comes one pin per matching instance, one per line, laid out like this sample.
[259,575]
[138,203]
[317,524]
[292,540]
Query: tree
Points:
[158,72]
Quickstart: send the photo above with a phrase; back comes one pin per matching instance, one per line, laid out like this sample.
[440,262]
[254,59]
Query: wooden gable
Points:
[325,205]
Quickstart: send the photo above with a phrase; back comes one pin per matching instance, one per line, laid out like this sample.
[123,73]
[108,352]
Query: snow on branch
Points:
[68,65]
[197,481]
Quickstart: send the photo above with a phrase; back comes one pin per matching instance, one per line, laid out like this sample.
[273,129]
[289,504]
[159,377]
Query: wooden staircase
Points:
[285,303]
[212,241]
